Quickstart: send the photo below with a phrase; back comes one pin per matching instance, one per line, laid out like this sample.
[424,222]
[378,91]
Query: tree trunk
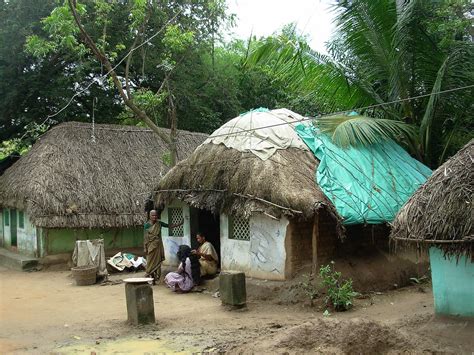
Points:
[108,66]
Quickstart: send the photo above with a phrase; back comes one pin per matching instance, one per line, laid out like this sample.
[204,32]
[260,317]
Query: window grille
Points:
[6,214]
[21,220]
[239,228]
[175,216]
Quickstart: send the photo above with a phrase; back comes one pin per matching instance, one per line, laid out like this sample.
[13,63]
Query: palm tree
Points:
[385,52]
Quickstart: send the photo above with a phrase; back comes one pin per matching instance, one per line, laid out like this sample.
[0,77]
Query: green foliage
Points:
[352,130]
[309,288]
[385,51]
[22,146]
[153,104]
[166,159]
[340,293]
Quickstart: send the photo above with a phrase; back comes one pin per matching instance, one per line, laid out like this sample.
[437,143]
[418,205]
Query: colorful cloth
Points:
[181,280]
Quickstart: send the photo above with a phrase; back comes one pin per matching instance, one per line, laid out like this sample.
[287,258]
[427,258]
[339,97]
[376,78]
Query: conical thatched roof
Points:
[220,179]
[441,212]
[240,174]
[66,180]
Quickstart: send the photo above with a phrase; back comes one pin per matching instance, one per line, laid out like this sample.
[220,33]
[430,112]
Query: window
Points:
[21,220]
[239,228]
[6,215]
[175,216]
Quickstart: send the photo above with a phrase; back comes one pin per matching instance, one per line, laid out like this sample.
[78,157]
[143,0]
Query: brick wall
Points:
[327,238]
[298,245]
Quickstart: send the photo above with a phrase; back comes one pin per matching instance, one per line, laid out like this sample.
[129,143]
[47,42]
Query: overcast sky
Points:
[263,17]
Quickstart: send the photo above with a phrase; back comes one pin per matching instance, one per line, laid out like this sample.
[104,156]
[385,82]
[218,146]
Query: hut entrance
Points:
[207,223]
[13,227]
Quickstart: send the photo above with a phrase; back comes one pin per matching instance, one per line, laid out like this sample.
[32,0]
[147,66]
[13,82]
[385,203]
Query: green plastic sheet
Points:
[366,184]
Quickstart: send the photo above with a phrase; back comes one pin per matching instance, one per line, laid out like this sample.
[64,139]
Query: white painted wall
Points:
[264,256]
[172,244]
[6,231]
[26,237]
[1,228]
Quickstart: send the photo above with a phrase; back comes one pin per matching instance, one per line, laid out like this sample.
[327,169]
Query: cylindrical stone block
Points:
[232,288]
[140,307]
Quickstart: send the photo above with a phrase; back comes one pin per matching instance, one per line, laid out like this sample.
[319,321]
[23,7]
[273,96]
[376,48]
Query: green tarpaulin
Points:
[365,184]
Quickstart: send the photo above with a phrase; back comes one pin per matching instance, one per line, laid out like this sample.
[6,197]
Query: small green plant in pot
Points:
[340,293]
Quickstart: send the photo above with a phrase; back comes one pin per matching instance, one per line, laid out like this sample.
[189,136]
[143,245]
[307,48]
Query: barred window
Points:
[239,228]
[175,216]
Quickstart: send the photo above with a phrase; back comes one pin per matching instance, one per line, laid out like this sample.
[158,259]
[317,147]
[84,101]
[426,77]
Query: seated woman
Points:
[188,271]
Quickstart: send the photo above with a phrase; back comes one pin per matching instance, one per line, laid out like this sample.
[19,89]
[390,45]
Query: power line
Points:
[347,111]
[106,74]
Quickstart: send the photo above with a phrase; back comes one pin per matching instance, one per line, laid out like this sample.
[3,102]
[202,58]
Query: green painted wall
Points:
[6,228]
[453,284]
[57,241]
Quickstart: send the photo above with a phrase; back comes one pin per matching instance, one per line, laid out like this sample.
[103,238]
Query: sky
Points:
[264,17]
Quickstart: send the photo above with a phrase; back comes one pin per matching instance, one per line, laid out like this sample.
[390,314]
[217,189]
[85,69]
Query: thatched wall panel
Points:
[66,180]
[441,212]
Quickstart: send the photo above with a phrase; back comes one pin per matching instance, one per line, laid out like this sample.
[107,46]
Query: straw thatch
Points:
[220,179]
[67,180]
[441,212]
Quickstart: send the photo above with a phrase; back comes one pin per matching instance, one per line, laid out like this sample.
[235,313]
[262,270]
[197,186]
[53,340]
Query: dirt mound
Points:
[334,336]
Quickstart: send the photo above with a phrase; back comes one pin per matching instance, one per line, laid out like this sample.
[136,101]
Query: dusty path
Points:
[43,312]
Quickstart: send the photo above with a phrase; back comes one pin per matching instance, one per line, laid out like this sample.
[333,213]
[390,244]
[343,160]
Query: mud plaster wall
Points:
[299,246]
[6,231]
[171,244]
[327,239]
[26,237]
[263,256]
[1,228]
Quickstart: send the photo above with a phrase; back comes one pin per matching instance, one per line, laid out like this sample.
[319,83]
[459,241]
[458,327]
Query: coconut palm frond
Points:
[359,130]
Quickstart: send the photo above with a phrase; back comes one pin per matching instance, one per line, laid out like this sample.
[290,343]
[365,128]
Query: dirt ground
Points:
[44,312]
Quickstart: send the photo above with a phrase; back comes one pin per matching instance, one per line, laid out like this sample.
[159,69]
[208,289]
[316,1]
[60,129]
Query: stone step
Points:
[16,261]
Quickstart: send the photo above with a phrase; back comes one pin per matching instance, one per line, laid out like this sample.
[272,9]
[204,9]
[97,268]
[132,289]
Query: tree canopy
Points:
[182,70]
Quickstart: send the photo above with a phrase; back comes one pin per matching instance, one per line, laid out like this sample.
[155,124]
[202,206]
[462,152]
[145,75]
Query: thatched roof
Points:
[220,179]
[441,212]
[66,180]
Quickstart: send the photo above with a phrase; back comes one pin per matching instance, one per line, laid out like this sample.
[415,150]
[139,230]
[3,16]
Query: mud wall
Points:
[264,255]
[1,228]
[26,237]
[6,237]
[299,246]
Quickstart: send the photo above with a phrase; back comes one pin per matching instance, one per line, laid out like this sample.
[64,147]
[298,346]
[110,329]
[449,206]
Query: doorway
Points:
[208,224]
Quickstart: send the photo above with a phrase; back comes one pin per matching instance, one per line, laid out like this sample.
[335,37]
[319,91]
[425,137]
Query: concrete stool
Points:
[232,288]
[139,298]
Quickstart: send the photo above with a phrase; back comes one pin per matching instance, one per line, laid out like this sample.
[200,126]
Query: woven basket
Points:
[84,275]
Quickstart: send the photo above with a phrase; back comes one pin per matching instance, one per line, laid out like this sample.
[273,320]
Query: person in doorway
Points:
[207,256]
[187,275]
[153,245]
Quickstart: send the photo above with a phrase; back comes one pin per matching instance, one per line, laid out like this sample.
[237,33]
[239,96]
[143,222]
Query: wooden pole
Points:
[315,237]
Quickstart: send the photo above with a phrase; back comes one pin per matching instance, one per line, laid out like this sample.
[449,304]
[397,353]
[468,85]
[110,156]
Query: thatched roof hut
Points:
[67,180]
[441,212]
[221,179]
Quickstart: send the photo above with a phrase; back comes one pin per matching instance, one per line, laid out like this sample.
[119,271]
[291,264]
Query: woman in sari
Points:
[187,275]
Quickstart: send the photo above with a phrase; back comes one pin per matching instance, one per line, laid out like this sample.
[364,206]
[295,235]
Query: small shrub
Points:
[309,288]
[340,293]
